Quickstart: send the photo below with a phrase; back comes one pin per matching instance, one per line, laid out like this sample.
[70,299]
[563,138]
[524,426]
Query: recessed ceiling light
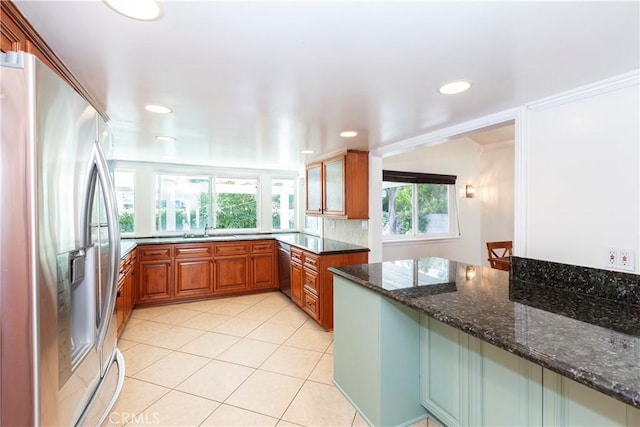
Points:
[165,138]
[160,109]
[452,88]
[307,151]
[348,134]
[144,10]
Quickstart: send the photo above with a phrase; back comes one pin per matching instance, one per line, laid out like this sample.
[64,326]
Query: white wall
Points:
[584,184]
[459,157]
[495,190]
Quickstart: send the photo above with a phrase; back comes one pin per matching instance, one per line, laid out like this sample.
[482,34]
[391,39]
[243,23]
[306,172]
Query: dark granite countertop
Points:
[305,241]
[320,246]
[583,336]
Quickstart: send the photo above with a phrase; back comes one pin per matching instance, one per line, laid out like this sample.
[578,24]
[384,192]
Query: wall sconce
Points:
[470,191]
[470,272]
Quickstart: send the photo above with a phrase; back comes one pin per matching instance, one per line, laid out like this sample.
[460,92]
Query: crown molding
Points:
[10,10]
[611,84]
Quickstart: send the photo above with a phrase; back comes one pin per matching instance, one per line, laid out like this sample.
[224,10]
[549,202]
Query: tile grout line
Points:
[286,307]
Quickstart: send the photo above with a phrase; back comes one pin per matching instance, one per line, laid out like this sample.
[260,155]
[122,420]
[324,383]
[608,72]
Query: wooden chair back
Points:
[499,253]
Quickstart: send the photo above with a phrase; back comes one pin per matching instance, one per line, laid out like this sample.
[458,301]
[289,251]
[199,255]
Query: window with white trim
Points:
[283,204]
[186,202]
[418,205]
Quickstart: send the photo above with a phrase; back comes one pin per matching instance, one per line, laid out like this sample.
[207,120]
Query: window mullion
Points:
[414,194]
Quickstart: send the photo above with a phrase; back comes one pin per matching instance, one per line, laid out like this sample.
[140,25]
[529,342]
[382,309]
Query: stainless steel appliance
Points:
[284,266]
[59,241]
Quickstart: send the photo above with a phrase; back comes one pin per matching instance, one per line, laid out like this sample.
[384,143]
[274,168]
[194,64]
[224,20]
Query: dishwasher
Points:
[284,265]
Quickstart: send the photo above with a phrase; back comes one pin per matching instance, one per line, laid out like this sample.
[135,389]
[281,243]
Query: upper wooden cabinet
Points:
[313,182]
[339,186]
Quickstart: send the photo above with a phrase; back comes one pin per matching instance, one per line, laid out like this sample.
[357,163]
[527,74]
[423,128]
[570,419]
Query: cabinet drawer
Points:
[310,281]
[128,260]
[296,255]
[155,252]
[231,249]
[262,247]
[310,304]
[132,259]
[311,261]
[194,251]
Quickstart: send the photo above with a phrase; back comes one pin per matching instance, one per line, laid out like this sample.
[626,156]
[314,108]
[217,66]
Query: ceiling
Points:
[253,83]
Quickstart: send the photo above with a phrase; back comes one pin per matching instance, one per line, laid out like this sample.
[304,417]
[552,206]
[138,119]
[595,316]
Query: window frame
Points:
[113,176]
[296,220]
[158,190]
[158,174]
[415,179]
[212,203]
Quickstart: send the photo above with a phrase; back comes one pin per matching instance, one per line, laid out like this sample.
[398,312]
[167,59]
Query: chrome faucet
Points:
[207,228]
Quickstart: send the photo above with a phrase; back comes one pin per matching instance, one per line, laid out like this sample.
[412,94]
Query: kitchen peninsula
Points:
[546,344]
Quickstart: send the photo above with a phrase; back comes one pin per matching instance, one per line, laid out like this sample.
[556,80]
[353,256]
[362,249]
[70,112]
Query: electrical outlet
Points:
[626,259]
[611,259]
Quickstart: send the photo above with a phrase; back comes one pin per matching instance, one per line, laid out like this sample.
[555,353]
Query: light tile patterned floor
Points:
[254,360]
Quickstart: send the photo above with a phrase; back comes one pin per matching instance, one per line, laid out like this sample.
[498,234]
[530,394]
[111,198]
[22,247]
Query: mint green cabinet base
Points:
[466,381]
[569,403]
[444,361]
[376,355]
[505,390]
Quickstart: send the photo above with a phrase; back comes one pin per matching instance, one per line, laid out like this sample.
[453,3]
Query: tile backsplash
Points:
[347,230]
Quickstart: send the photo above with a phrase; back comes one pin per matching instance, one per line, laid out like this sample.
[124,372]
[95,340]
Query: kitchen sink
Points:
[201,238]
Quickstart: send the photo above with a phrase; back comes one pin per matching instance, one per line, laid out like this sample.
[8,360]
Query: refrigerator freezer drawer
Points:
[99,409]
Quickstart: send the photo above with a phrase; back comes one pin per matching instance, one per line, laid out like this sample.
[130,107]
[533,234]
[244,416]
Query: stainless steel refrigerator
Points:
[60,243]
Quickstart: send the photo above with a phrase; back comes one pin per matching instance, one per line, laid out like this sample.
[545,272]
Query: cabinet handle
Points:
[118,294]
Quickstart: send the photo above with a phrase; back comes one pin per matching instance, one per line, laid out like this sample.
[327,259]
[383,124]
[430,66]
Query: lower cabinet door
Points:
[504,389]
[568,403]
[155,281]
[444,362]
[263,271]
[231,274]
[296,283]
[194,277]
[466,381]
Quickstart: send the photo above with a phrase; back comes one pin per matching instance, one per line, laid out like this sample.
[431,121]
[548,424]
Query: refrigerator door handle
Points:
[108,191]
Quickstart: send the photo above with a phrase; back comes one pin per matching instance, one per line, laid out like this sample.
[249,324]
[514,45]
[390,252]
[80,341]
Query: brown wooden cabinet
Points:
[263,261]
[312,284]
[194,277]
[193,270]
[339,186]
[313,183]
[297,276]
[156,273]
[186,271]
[126,290]
[231,267]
